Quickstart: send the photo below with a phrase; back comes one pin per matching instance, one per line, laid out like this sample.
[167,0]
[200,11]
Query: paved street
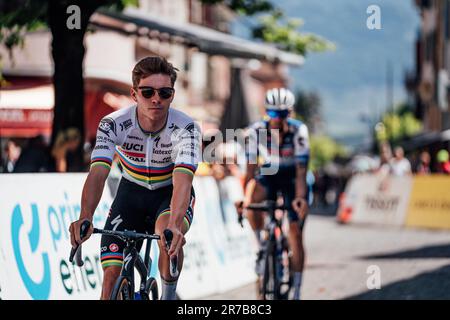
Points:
[414,264]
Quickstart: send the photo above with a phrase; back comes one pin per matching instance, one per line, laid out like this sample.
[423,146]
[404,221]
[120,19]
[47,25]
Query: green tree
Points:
[397,126]
[323,150]
[274,27]
[20,16]
[308,108]
[285,33]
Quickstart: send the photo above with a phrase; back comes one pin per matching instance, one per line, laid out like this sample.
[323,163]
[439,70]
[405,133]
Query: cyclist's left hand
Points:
[178,241]
[300,206]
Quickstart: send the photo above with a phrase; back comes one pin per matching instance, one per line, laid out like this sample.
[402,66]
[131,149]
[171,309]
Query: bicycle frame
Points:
[273,244]
[133,260]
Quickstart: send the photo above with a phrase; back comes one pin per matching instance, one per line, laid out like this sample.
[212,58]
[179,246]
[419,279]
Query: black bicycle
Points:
[276,280]
[124,286]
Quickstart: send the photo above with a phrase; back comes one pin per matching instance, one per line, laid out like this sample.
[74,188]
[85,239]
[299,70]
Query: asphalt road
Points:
[343,259]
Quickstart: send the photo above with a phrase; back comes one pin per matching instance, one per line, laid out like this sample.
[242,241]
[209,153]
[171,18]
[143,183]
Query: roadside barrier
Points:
[37,209]
[412,201]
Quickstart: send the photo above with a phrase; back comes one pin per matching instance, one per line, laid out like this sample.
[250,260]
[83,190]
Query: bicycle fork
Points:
[132,260]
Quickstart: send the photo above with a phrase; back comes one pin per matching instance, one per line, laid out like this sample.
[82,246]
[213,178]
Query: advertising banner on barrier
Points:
[379,200]
[35,213]
[429,206]
[37,209]
[219,253]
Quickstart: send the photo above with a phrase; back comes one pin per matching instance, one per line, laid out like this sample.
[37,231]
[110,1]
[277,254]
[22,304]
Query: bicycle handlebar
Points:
[173,268]
[84,228]
[126,235]
[267,206]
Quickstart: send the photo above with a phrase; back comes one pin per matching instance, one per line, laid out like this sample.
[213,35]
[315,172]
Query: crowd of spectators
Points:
[36,155]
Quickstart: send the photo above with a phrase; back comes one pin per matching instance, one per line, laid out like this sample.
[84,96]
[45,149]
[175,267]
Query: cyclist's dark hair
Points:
[153,65]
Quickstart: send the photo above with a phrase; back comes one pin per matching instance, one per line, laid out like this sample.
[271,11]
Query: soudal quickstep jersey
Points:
[148,159]
[293,148]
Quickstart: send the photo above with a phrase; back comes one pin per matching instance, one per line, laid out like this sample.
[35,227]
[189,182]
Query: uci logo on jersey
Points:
[133,146]
[37,289]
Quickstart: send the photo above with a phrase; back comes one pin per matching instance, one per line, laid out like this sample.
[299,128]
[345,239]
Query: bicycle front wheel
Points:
[151,288]
[122,290]
[271,283]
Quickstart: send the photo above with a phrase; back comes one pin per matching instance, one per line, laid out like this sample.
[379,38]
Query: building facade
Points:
[429,84]
[193,36]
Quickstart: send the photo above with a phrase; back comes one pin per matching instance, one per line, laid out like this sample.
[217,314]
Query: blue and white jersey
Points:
[293,148]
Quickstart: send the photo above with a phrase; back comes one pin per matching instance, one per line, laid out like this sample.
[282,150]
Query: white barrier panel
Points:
[35,214]
[378,200]
[219,252]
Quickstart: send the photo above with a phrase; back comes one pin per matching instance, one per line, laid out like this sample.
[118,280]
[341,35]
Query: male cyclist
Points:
[158,148]
[289,147]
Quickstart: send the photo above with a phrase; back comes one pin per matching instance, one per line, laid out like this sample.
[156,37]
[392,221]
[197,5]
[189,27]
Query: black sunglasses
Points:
[164,93]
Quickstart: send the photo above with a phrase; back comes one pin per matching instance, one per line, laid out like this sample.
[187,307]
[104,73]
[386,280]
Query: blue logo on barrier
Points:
[37,290]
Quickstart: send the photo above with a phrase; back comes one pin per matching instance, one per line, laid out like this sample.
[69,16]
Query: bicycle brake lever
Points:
[84,228]
[240,220]
[173,267]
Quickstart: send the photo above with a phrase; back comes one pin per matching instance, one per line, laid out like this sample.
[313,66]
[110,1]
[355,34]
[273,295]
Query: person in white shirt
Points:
[400,166]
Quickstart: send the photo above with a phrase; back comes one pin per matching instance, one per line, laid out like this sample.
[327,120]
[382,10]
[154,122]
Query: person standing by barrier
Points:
[385,166]
[66,142]
[424,164]
[400,166]
[443,161]
[12,154]
[159,150]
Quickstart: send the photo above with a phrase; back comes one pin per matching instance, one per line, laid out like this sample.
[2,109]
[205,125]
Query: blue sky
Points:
[352,79]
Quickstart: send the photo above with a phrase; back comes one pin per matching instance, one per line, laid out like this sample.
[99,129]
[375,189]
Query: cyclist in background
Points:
[158,149]
[291,143]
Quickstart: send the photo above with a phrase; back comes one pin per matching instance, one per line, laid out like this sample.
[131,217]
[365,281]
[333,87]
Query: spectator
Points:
[443,162]
[12,151]
[400,166]
[424,165]
[385,167]
[34,157]
[66,142]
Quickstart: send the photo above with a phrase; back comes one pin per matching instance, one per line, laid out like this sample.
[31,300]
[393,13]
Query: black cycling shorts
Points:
[282,183]
[136,208]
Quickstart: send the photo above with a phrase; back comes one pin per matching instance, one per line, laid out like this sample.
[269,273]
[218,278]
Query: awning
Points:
[205,39]
[41,97]
[421,140]
[26,112]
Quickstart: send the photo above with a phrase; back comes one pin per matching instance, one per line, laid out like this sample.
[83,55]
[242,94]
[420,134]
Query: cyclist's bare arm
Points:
[101,159]
[187,151]
[300,204]
[252,156]
[181,195]
[300,181]
[250,173]
[92,192]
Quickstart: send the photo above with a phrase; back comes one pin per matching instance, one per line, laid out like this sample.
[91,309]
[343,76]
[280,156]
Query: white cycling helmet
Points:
[279,99]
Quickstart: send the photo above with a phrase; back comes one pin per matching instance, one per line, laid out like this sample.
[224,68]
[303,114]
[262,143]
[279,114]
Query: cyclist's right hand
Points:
[240,211]
[239,207]
[74,230]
